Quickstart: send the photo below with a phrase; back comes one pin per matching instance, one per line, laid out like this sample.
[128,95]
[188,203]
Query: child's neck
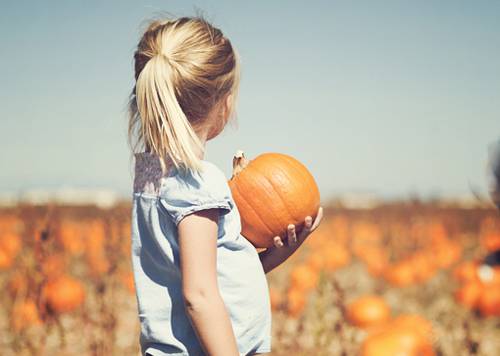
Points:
[203,140]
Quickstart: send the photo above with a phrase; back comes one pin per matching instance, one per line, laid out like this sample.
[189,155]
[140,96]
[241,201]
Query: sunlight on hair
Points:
[183,68]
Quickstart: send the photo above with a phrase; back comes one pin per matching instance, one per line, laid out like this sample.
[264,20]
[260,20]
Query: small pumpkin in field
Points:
[489,301]
[400,274]
[24,314]
[304,277]
[6,260]
[271,192]
[11,243]
[491,241]
[423,267]
[416,323]
[397,340]
[466,271]
[468,294]
[296,301]
[368,311]
[64,294]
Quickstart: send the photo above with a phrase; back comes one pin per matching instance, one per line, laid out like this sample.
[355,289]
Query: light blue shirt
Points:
[159,204]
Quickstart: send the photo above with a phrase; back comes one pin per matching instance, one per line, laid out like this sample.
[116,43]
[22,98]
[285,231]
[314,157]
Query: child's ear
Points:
[228,105]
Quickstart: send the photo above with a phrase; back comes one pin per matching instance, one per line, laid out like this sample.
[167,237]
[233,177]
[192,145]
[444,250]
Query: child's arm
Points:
[276,255]
[204,304]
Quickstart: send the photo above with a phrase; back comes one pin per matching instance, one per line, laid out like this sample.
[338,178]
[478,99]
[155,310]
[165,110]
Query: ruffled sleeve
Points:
[183,195]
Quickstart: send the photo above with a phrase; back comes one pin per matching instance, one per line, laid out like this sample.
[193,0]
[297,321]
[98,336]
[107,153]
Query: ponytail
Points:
[164,124]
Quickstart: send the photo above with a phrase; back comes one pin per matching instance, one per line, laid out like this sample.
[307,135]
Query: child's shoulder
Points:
[209,177]
[183,193]
[211,171]
[149,178]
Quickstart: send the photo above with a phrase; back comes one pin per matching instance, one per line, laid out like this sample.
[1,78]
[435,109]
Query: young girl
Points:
[200,285]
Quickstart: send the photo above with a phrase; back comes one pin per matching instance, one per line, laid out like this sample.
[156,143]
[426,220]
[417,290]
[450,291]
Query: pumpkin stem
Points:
[239,162]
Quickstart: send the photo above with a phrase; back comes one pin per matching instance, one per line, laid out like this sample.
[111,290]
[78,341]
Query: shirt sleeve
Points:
[182,195]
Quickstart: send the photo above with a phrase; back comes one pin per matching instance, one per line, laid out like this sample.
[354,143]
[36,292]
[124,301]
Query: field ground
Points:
[354,253]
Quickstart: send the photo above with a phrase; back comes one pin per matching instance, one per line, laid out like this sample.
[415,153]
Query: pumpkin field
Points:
[398,279]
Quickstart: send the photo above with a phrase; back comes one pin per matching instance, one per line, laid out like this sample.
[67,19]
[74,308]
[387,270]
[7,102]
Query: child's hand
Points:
[276,255]
[292,238]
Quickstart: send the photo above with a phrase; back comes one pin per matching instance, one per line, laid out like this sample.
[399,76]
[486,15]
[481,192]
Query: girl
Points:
[200,285]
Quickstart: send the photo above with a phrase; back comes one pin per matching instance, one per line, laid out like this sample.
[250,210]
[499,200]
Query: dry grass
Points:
[107,322]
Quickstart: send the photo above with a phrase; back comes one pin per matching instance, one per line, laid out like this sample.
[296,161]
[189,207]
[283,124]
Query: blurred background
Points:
[393,107]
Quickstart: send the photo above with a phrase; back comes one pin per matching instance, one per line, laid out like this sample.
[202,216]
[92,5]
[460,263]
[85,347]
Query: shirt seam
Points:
[196,208]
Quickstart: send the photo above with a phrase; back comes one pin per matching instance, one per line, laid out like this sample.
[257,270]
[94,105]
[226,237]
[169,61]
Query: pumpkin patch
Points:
[391,280]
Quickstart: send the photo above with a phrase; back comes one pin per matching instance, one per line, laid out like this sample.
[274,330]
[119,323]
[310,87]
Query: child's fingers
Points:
[318,219]
[277,241]
[307,228]
[292,236]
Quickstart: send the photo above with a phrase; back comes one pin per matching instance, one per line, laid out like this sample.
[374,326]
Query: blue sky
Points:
[389,97]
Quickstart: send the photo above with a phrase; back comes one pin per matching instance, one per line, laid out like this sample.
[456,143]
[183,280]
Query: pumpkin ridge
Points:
[299,167]
[254,210]
[279,194]
[236,196]
[259,181]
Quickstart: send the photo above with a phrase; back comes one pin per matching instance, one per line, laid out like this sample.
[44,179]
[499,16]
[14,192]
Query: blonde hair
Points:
[183,67]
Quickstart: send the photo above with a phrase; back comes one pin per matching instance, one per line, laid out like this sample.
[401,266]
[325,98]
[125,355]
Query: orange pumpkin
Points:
[11,243]
[469,293]
[395,340]
[423,267]
[95,248]
[489,301]
[271,192]
[316,261]
[304,277]
[71,237]
[368,311]
[375,258]
[6,260]
[64,294]
[466,271]
[336,256]
[400,274]
[415,322]
[24,314]
[446,254]
[296,302]
[491,241]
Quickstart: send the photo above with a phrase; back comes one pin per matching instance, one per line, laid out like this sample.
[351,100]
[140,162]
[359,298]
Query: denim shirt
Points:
[159,204]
